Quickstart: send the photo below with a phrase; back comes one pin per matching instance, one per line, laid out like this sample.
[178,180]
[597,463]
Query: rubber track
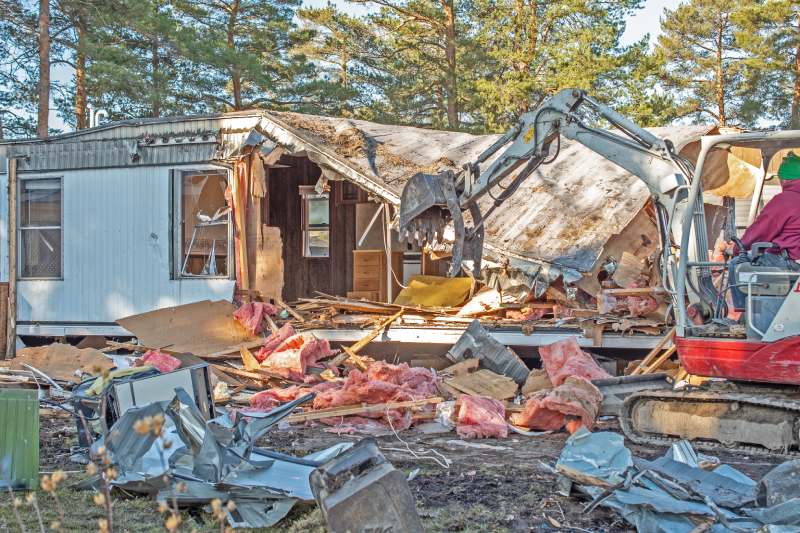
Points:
[700,396]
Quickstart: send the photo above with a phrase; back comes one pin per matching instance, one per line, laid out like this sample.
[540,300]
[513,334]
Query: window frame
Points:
[20,251]
[305,191]
[176,223]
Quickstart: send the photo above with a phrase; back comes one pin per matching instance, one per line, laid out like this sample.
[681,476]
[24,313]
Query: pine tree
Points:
[424,50]
[245,50]
[535,48]
[18,70]
[703,59]
[770,34]
[344,50]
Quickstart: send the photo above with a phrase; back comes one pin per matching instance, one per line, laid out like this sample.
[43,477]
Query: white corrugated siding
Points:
[116,237]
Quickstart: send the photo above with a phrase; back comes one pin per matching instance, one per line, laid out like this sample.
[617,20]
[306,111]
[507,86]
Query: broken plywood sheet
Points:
[61,361]
[630,270]
[640,238]
[484,383]
[200,328]
[269,263]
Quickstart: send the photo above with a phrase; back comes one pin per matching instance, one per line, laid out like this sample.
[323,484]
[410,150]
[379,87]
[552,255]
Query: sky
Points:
[645,21]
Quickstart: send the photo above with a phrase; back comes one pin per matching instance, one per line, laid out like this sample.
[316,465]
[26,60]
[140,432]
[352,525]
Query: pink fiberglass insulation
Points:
[565,358]
[251,315]
[480,417]
[274,340]
[380,383]
[548,409]
[641,305]
[296,354]
[162,361]
[420,380]
[269,399]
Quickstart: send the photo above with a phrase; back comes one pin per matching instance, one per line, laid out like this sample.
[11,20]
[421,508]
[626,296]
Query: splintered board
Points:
[199,328]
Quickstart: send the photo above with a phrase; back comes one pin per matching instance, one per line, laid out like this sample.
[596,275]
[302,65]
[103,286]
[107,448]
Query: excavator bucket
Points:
[428,202]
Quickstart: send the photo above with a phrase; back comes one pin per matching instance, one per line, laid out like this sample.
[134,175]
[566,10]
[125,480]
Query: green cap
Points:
[790,167]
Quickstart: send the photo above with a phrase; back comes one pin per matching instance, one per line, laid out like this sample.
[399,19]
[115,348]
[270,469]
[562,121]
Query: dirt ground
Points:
[490,485]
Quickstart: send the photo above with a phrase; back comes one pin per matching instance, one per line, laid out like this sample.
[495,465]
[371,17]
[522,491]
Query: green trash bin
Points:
[19,439]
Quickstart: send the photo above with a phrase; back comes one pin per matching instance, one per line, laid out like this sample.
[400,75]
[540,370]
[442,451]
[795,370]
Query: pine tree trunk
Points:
[721,80]
[450,57]
[794,122]
[81,121]
[42,125]
[155,64]
[236,78]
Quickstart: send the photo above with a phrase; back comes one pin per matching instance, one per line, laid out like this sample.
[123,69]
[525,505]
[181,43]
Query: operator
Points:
[778,223]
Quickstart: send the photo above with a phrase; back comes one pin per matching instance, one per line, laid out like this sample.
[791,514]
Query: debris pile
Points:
[680,491]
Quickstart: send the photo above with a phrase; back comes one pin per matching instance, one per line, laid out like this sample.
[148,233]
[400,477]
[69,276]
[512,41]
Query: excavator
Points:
[751,403]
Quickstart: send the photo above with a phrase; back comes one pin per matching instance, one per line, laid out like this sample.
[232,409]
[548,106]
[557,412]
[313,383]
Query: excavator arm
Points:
[429,202]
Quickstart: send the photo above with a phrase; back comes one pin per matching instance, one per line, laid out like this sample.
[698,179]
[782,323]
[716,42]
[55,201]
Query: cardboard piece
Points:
[484,383]
[199,328]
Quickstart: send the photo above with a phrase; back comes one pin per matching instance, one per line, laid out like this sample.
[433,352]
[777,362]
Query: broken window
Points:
[316,222]
[40,228]
[203,231]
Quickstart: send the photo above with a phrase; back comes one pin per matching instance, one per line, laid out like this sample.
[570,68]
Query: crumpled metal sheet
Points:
[215,459]
[722,490]
[670,494]
[601,455]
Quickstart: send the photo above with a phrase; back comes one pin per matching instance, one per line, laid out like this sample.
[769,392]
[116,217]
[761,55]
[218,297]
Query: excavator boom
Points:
[758,418]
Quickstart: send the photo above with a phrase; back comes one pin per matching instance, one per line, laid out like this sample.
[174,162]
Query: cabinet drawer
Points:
[367,258]
[367,284]
[367,272]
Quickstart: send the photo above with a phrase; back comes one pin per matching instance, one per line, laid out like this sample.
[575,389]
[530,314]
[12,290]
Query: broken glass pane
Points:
[316,233]
[206,218]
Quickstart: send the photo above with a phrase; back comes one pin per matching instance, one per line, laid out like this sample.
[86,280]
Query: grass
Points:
[132,515]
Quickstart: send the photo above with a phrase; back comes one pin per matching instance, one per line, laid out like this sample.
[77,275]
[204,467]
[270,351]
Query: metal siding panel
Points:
[113,267]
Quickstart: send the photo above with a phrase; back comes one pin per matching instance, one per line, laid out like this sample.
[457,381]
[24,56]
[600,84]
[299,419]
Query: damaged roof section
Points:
[559,221]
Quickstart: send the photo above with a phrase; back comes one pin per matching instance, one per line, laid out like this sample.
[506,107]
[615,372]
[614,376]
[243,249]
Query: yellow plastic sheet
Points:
[435,291]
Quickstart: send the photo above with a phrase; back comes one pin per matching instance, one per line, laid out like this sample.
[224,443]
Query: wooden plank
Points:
[261,375]
[635,291]
[360,409]
[132,347]
[3,316]
[273,327]
[250,363]
[11,313]
[661,360]
[651,356]
[289,310]
[231,352]
[366,339]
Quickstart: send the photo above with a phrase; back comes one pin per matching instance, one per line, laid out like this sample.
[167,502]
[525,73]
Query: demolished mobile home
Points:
[139,215]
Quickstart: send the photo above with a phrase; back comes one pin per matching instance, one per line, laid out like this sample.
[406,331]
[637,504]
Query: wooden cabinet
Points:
[370,272]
